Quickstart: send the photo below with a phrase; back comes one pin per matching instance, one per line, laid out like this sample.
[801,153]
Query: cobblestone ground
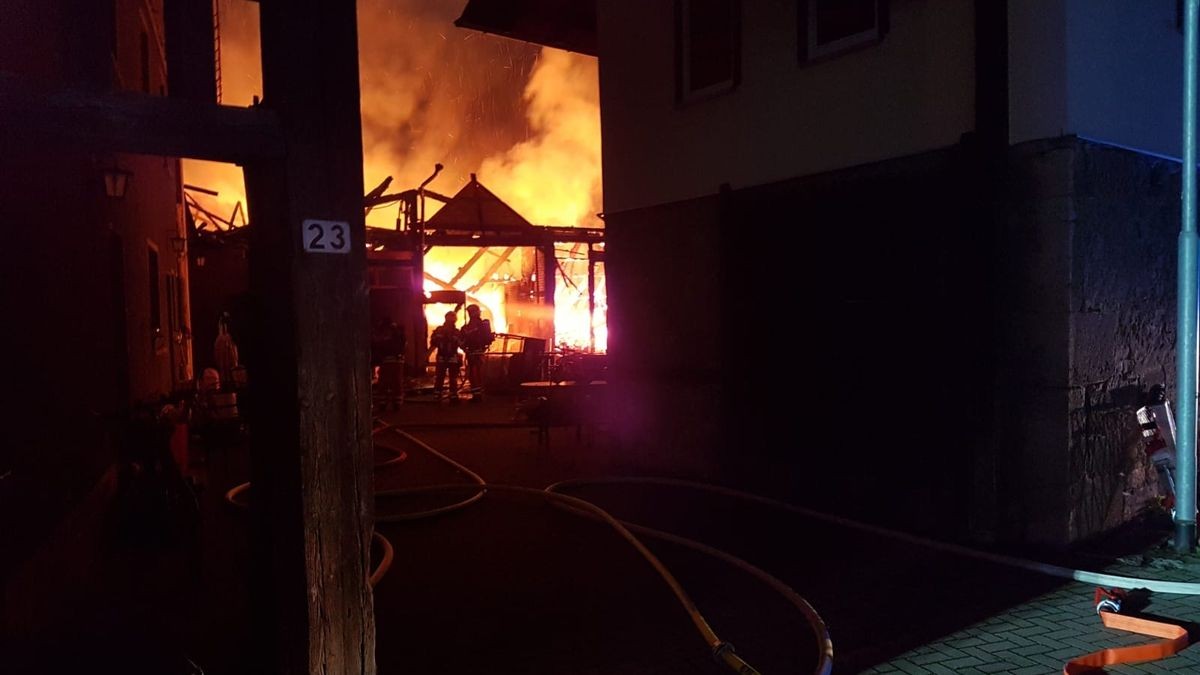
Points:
[1041,634]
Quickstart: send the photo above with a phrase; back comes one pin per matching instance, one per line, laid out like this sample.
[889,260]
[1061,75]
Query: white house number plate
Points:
[326,236]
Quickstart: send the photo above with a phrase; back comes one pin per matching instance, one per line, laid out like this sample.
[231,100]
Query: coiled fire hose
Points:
[1108,605]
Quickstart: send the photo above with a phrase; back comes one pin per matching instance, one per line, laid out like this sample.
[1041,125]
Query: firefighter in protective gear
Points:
[477,336]
[387,360]
[446,340]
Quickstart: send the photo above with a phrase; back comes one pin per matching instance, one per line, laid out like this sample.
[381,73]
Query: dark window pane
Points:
[711,42]
[837,19]
[155,298]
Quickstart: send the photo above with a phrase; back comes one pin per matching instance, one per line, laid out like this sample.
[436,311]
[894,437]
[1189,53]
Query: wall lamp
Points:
[115,182]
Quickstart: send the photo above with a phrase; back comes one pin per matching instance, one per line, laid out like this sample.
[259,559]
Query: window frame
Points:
[154,272]
[808,51]
[683,93]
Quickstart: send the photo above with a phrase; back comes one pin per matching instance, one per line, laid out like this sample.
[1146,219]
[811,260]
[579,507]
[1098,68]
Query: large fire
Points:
[524,118]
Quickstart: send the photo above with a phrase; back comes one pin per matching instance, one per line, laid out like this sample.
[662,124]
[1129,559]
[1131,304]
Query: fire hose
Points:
[237,497]
[720,649]
[1108,605]
[1174,638]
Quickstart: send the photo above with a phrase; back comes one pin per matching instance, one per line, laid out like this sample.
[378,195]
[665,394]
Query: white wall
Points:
[1125,73]
[911,93]
[1037,69]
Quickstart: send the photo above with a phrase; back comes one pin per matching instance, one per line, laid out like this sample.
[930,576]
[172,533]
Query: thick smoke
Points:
[434,93]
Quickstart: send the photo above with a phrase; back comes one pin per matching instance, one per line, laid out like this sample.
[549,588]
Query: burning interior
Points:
[528,249]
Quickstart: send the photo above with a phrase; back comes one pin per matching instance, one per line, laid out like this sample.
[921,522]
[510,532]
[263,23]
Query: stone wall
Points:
[1122,312]
[957,366]
[1087,301]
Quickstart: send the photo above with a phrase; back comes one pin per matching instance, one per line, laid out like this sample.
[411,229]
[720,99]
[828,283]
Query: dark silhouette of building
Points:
[966,209]
[95,268]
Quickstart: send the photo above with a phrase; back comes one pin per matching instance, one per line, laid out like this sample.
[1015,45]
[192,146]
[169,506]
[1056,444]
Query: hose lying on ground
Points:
[1097,578]
[1174,638]
[237,496]
[721,650]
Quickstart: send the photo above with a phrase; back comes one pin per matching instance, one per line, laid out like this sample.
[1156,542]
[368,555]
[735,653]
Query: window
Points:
[155,298]
[708,42]
[831,27]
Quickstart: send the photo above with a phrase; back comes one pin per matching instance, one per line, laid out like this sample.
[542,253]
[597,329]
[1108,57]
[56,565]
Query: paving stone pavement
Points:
[1041,635]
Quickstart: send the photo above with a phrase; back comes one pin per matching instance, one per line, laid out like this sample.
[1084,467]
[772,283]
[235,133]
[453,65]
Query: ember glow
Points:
[525,119]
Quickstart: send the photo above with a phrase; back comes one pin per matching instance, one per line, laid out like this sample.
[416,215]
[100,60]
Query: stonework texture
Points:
[1122,323]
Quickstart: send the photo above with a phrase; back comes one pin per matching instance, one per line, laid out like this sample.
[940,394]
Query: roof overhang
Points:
[565,24]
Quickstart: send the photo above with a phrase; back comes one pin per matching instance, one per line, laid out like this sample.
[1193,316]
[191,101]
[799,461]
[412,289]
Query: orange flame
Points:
[525,119]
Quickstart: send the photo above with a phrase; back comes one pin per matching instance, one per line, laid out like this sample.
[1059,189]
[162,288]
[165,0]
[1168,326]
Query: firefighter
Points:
[477,336]
[446,340]
[387,359]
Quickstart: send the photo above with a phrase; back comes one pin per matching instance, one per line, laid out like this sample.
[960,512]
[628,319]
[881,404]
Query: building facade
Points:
[96,269]
[910,260]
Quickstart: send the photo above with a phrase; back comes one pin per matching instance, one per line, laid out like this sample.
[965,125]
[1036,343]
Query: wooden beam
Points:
[40,114]
[439,282]
[527,238]
[469,264]
[591,299]
[536,236]
[500,260]
[549,271]
[310,403]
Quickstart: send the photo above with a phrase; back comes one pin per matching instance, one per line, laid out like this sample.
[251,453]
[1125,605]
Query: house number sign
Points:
[326,236]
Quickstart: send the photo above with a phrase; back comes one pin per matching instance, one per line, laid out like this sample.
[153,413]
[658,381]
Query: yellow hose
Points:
[721,650]
[690,607]
[816,623]
[386,563]
[480,484]
[234,497]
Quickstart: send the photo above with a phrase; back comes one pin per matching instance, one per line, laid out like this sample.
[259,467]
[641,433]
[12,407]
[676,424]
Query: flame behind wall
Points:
[525,119]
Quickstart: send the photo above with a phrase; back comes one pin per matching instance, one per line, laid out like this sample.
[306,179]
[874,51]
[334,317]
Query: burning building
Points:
[523,118]
[512,269]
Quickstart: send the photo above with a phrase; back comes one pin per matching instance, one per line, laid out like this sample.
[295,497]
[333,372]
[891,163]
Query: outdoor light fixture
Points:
[115,182]
[179,245]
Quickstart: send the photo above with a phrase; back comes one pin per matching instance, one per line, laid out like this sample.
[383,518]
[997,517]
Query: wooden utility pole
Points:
[309,406]
[549,271]
[591,257]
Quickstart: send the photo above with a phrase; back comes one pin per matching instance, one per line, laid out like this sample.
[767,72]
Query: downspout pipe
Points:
[1185,352]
